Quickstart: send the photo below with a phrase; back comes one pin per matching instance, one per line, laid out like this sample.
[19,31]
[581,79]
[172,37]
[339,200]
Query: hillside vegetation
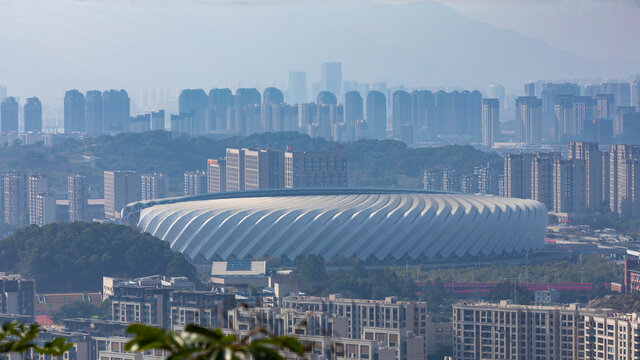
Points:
[74,256]
[372,163]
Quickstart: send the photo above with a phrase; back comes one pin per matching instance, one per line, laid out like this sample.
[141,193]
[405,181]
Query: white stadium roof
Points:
[388,224]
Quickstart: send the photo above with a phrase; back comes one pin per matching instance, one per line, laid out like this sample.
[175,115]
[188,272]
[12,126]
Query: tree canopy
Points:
[75,256]
[371,163]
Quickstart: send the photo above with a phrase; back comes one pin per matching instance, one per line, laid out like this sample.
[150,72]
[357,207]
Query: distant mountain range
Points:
[144,44]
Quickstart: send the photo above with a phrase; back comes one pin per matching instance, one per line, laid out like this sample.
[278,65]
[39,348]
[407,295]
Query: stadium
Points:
[389,225]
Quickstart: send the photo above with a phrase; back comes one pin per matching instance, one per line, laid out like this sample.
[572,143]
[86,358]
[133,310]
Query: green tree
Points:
[310,271]
[434,292]
[19,338]
[79,309]
[75,256]
[507,290]
[198,343]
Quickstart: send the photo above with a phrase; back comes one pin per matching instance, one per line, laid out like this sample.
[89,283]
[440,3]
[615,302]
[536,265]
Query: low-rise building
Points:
[411,316]
[612,336]
[200,308]
[239,274]
[17,295]
[112,348]
[507,331]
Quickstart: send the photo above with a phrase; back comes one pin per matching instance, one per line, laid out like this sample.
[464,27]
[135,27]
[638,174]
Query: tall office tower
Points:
[219,101]
[326,103]
[339,131]
[266,118]
[235,169]
[77,189]
[16,205]
[44,211]
[271,96]
[263,169]
[530,89]
[377,114]
[140,123]
[490,122]
[517,175]
[74,112]
[2,175]
[542,177]
[473,114]
[326,98]
[422,106]
[598,130]
[297,92]
[183,124]
[590,153]
[401,111]
[548,96]
[94,113]
[314,169]
[308,113]
[621,180]
[635,94]
[18,295]
[36,184]
[621,92]
[154,186]
[566,128]
[432,179]
[630,128]
[157,120]
[487,179]
[450,180]
[561,332]
[9,115]
[33,115]
[353,108]
[247,96]
[216,176]
[360,130]
[3,92]
[606,180]
[195,183]
[569,186]
[332,78]
[529,119]
[120,189]
[250,121]
[617,121]
[469,184]
[284,117]
[116,107]
[605,106]
[194,102]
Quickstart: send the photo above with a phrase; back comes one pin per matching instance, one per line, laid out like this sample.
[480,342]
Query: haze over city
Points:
[54,46]
[319,180]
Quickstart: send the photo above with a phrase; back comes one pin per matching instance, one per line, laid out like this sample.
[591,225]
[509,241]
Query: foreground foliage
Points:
[74,256]
[200,343]
[19,338]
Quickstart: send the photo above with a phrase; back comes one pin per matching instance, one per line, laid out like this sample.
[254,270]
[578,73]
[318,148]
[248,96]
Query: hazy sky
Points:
[586,27]
[49,46]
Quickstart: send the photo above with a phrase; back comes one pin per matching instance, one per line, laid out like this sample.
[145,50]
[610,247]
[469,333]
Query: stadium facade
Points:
[372,224]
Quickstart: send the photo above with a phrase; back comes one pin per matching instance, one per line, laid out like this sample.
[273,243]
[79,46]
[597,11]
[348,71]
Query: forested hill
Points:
[74,256]
[372,163]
